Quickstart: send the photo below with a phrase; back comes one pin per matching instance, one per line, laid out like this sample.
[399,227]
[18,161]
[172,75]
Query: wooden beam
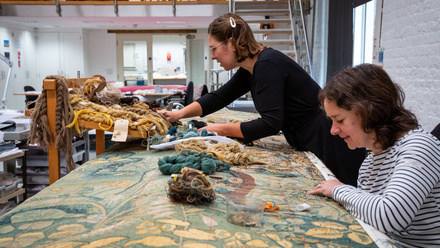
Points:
[94,125]
[110,2]
[100,134]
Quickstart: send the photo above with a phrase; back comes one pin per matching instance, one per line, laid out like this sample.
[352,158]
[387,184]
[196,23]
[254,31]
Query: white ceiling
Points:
[133,17]
[131,23]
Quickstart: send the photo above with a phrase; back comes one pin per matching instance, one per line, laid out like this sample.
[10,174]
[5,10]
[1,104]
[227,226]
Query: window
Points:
[363,30]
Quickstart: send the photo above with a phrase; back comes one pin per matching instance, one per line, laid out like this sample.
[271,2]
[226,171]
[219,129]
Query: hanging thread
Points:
[40,133]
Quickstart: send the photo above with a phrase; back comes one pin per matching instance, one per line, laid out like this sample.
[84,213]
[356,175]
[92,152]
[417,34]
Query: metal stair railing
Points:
[297,41]
[300,32]
[280,19]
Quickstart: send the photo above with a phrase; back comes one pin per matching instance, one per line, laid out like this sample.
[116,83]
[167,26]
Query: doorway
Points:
[147,59]
[133,55]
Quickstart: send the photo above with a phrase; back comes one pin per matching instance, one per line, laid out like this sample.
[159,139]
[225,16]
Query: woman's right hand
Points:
[325,188]
[194,109]
[171,116]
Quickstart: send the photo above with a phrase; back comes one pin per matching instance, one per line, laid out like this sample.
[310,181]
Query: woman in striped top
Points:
[398,188]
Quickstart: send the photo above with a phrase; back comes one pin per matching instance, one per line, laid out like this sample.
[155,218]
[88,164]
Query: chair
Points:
[30,98]
[200,90]
[436,131]
[189,96]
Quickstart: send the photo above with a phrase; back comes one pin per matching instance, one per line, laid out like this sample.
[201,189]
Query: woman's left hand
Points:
[226,129]
[215,128]
[325,188]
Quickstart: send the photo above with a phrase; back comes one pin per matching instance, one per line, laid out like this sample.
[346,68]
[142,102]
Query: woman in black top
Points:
[284,95]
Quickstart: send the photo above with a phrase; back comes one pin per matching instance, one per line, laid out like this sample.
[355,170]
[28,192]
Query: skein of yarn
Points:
[192,188]
[203,161]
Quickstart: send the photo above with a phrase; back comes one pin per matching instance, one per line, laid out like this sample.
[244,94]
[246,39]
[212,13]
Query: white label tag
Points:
[120,131]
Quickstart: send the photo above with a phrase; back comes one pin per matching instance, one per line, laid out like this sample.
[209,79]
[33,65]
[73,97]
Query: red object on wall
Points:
[168,56]
[18,55]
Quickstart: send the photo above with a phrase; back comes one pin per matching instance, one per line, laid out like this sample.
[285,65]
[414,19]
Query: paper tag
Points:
[120,131]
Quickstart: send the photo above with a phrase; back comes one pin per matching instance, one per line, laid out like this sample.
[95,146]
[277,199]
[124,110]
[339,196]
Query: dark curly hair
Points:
[242,36]
[369,91]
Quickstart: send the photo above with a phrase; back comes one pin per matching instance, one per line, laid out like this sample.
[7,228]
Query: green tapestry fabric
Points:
[119,199]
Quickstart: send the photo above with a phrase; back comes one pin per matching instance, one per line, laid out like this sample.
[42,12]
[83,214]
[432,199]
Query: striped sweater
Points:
[399,191]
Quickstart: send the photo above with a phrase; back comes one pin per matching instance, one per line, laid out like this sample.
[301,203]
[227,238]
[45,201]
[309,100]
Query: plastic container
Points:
[245,211]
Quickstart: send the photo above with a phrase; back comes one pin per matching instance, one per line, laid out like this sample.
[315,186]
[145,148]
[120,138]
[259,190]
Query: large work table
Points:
[119,199]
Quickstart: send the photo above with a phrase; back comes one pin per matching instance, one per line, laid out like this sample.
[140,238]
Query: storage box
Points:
[6,190]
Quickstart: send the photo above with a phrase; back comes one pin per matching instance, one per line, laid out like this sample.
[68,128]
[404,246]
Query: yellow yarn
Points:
[218,155]
[109,121]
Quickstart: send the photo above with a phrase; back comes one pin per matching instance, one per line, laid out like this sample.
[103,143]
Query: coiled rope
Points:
[192,188]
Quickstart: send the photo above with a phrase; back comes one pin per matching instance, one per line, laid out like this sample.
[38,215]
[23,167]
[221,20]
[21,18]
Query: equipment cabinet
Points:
[11,191]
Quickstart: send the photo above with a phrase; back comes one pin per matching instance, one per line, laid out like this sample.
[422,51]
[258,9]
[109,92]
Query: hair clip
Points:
[232,21]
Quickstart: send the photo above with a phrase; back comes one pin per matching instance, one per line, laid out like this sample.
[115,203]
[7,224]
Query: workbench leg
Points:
[100,142]
[53,153]
[87,146]
[24,174]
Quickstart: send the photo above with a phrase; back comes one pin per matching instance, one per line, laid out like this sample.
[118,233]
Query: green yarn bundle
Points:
[203,161]
[155,139]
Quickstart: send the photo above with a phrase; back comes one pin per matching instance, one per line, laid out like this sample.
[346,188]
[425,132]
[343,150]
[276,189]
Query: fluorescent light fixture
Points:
[24,21]
[170,22]
[175,26]
[94,22]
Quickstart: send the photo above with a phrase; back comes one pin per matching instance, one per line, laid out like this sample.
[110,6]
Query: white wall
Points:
[101,54]
[21,40]
[411,39]
[174,44]
[199,59]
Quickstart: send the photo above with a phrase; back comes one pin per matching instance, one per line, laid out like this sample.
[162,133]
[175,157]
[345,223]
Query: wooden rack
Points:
[50,85]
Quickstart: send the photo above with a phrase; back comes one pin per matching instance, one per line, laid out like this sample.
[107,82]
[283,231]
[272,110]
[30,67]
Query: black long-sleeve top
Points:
[284,94]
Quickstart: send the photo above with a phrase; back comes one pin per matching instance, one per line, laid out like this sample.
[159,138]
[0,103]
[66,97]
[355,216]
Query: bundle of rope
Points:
[193,144]
[232,153]
[191,187]
[110,95]
[40,133]
[140,116]
[203,161]
[229,153]
[92,86]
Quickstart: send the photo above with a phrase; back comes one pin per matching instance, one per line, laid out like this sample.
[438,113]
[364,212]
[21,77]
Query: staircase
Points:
[278,24]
